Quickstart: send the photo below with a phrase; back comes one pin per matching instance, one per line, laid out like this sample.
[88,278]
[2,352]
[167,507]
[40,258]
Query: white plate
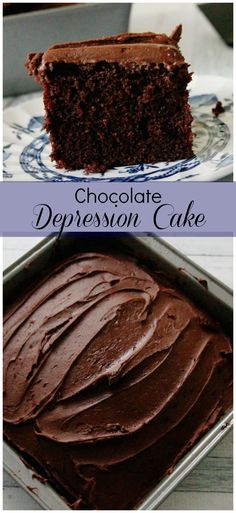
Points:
[26,145]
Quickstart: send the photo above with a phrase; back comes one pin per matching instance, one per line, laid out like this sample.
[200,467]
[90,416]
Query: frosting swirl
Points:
[105,367]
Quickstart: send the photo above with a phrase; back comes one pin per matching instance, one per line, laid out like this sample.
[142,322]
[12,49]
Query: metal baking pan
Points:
[37,30]
[216,298]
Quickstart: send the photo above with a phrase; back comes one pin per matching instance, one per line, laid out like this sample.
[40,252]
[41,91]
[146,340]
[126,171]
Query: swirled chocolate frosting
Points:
[110,375]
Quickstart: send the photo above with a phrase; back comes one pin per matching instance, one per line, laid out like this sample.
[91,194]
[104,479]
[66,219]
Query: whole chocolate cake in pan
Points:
[111,374]
[114,101]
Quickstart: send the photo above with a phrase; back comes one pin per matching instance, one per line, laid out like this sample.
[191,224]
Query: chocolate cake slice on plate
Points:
[118,100]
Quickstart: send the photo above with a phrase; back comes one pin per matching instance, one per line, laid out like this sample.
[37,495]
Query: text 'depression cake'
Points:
[110,375]
[117,100]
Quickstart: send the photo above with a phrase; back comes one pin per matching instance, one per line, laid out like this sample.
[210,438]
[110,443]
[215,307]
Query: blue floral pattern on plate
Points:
[27,148]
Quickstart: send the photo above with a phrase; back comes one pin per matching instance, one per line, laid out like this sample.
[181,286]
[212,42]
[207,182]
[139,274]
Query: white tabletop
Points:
[209,486]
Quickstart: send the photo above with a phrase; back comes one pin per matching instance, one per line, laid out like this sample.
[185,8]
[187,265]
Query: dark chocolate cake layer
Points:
[113,101]
[110,375]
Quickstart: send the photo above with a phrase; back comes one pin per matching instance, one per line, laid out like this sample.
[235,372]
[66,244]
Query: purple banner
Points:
[167,208]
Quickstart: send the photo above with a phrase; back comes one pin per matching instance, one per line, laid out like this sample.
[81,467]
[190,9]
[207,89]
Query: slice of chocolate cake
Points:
[118,100]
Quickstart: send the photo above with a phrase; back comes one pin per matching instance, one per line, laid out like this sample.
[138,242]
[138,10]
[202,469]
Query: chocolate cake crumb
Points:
[218,109]
[32,489]
[203,282]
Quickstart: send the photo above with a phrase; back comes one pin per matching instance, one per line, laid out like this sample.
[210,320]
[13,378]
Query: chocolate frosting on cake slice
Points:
[138,48]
